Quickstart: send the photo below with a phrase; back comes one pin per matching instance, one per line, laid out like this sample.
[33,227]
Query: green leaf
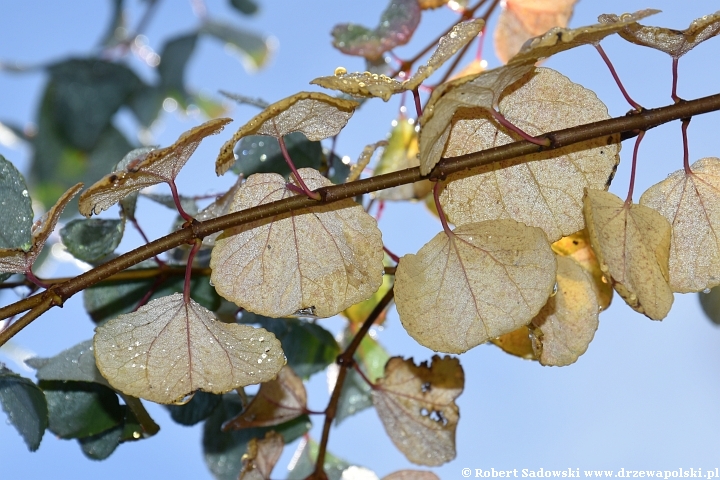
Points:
[81,409]
[253,48]
[309,348]
[88,92]
[196,410]
[334,466]
[16,214]
[90,239]
[25,406]
[174,57]
[710,303]
[146,103]
[100,446]
[397,25]
[74,364]
[188,203]
[223,450]
[247,7]
[117,21]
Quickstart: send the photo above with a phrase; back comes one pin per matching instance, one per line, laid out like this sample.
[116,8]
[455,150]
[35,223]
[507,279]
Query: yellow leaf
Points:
[319,260]
[521,20]
[361,84]
[566,325]
[365,157]
[157,166]
[542,190]
[691,203]
[417,407]
[315,114]
[261,456]
[169,349]
[632,243]
[484,280]
[359,312]
[516,343]
[411,475]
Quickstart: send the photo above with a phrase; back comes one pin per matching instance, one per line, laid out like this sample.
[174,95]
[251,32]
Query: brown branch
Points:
[627,127]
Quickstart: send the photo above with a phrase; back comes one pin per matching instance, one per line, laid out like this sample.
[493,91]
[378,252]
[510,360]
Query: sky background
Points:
[645,394]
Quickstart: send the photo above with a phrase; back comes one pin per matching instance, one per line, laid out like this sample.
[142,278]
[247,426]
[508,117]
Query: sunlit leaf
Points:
[321,260]
[261,457]
[168,349]
[546,193]
[306,456]
[675,43]
[315,114]
[254,50]
[81,409]
[397,24]
[632,244]
[74,364]
[362,84]
[431,4]
[689,201]
[359,312]
[25,406]
[417,407]
[196,410]
[278,401]
[157,166]
[484,280]
[91,239]
[364,160]
[411,475]
[566,325]
[516,343]
[18,260]
[520,20]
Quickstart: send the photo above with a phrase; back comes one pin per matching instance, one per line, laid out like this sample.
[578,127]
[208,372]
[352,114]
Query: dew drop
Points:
[453,34]
[604,279]
[361,84]
[184,400]
[259,360]
[706,291]
[136,434]
[554,290]
[340,71]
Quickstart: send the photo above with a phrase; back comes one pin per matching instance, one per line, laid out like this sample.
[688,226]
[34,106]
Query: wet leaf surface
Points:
[25,406]
[91,239]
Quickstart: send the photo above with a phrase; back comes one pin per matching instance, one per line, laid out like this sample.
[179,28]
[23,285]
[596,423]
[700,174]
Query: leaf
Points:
[81,409]
[689,201]
[74,364]
[247,7]
[174,57]
[520,20]
[16,214]
[261,154]
[168,349]
[546,193]
[397,24]
[359,312]
[306,455]
[323,259]
[481,90]
[484,280]
[566,325]
[254,50]
[100,446]
[161,165]
[710,303]
[417,407]
[278,401]
[196,410]
[632,244]
[146,103]
[223,450]
[675,43]
[87,93]
[411,475]
[365,156]
[25,405]
[308,347]
[91,239]
[559,39]
[577,246]
[17,260]
[516,343]
[315,114]
[261,456]
[189,204]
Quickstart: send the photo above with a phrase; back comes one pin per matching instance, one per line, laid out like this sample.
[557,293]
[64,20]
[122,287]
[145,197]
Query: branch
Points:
[627,127]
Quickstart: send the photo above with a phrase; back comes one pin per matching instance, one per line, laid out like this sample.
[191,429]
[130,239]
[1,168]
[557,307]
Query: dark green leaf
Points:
[25,406]
[397,24]
[88,92]
[81,409]
[253,47]
[334,466]
[248,7]
[187,203]
[90,239]
[309,348]
[196,410]
[354,397]
[146,104]
[101,445]
[76,364]
[174,57]
[223,450]
[710,303]
[16,214]
[117,24]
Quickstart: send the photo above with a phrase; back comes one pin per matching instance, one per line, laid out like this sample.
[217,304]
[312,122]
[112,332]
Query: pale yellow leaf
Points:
[521,20]
[482,90]
[417,407]
[691,203]
[219,207]
[411,475]
[566,325]
[473,68]
[278,401]
[261,456]
[365,157]
[675,43]
[485,280]
[542,190]
[157,166]
[320,260]
[361,84]
[559,39]
[315,114]
[632,244]
[17,260]
[169,349]
[516,343]
[431,4]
